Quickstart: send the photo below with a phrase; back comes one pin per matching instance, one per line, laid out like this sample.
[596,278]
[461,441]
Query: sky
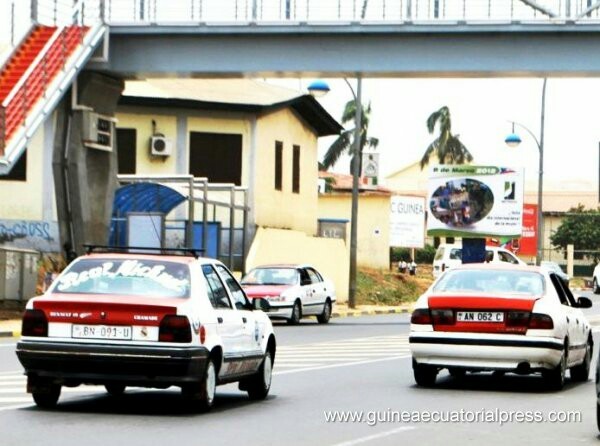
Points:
[481,110]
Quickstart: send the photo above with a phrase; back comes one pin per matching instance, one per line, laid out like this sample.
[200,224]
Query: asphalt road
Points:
[352,364]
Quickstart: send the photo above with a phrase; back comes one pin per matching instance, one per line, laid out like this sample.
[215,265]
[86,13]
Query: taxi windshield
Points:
[271,276]
[127,277]
[492,281]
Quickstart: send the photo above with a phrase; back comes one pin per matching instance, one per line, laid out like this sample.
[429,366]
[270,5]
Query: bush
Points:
[424,255]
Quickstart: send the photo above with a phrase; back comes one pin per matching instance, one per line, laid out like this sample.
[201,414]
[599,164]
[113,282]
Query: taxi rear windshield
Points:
[125,277]
[492,281]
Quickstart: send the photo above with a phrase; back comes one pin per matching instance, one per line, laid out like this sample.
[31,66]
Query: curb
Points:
[358,313]
[10,334]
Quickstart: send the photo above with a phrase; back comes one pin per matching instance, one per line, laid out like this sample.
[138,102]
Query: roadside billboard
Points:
[475,201]
[407,221]
[528,245]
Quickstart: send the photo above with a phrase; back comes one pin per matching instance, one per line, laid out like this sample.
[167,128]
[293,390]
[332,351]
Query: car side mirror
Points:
[261,304]
[584,302]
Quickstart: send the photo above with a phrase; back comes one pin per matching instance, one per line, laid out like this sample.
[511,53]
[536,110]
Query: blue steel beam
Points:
[451,50]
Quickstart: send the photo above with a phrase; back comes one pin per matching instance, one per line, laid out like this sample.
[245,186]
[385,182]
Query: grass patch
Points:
[379,287]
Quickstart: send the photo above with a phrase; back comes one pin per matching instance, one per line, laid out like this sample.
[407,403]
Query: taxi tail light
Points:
[421,316]
[175,328]
[202,334]
[442,317]
[517,318]
[541,322]
[34,323]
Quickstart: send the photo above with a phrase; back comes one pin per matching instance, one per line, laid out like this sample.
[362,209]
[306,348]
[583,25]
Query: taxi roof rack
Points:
[196,252]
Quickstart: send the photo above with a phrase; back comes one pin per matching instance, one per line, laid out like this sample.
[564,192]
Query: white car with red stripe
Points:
[123,319]
[487,317]
[293,291]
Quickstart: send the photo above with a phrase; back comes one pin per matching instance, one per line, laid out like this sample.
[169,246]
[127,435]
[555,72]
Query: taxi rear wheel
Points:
[324,317]
[202,395]
[425,375]
[581,372]
[258,386]
[598,416]
[555,378]
[595,286]
[46,396]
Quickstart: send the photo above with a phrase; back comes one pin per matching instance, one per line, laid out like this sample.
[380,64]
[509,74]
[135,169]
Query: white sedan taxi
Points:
[122,319]
[514,319]
[292,292]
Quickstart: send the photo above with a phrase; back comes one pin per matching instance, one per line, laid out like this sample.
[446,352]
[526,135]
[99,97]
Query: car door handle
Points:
[220,320]
[244,320]
[567,319]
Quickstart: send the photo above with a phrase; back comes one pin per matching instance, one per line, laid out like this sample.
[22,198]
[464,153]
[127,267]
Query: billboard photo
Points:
[475,201]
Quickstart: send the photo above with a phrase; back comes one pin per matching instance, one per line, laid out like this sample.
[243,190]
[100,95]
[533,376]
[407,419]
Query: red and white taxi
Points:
[486,317]
[293,291]
[123,319]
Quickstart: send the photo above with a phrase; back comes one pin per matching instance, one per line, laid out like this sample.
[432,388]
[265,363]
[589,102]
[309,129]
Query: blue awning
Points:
[140,197]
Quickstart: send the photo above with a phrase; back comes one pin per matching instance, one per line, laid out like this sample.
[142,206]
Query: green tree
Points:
[447,147]
[581,228]
[345,142]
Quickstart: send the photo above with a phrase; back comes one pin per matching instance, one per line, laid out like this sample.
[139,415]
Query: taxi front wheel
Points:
[258,385]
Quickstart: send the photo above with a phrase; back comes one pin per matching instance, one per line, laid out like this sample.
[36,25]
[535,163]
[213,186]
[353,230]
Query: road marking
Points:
[344,364]
[369,438]
[8,345]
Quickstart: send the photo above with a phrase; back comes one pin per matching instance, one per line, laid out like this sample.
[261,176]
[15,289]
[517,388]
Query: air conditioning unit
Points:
[160,146]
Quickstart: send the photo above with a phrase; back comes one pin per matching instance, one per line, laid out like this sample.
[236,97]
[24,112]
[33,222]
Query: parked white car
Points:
[449,255]
[293,291]
[596,279]
[506,318]
[121,319]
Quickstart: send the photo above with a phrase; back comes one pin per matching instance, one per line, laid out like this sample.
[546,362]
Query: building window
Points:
[296,171]
[278,165]
[126,150]
[216,156]
[19,170]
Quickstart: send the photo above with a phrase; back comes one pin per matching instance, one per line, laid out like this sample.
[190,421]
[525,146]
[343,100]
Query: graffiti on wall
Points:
[30,234]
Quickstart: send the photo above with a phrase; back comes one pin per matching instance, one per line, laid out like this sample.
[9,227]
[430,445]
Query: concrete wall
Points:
[329,256]
[373,224]
[285,209]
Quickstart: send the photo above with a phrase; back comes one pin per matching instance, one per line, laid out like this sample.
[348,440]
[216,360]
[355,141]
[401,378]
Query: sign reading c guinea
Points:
[407,221]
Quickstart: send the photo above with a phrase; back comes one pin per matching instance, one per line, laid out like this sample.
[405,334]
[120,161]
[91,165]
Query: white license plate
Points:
[101,332]
[480,316]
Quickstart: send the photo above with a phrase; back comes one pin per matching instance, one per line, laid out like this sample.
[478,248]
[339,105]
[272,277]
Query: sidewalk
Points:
[342,310]
[10,329]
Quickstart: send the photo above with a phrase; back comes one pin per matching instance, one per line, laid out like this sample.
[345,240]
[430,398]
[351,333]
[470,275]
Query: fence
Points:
[18,275]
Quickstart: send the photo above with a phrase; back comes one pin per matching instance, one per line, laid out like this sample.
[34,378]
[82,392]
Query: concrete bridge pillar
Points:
[85,177]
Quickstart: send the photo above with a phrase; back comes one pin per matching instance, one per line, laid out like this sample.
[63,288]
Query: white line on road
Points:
[375,436]
[8,345]
[344,364]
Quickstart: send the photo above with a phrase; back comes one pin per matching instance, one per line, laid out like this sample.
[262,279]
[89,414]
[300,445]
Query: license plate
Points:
[101,332]
[480,316]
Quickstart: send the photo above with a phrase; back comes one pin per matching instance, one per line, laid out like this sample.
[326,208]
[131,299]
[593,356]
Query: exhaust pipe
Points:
[523,368]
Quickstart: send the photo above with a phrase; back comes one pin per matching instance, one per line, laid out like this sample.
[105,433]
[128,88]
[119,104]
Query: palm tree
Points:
[345,142]
[447,147]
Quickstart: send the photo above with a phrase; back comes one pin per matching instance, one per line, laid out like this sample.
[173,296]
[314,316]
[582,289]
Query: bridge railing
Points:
[343,11]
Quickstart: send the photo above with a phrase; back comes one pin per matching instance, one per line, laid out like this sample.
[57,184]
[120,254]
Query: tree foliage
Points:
[581,228]
[345,142]
[447,147]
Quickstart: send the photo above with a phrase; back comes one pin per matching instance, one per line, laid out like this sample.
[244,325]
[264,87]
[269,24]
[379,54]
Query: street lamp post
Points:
[513,140]
[319,88]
